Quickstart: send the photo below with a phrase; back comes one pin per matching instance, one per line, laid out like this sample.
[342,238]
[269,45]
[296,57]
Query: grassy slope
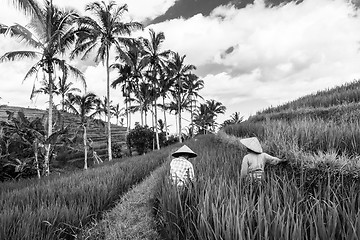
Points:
[132,217]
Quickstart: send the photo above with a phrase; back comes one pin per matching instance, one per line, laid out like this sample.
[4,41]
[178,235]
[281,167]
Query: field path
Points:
[132,217]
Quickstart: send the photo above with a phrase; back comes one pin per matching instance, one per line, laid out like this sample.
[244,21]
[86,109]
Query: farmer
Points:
[181,170]
[253,163]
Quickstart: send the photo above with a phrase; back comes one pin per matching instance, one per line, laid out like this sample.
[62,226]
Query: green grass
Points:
[340,95]
[293,203]
[61,207]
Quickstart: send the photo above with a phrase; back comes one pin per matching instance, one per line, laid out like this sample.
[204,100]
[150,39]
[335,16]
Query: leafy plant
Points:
[141,138]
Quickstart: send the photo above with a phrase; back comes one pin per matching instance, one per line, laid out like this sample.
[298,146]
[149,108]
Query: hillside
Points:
[96,131]
[341,103]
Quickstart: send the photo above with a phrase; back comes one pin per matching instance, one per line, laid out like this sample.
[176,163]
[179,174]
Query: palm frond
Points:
[23,34]
[18,55]
[33,69]
[29,7]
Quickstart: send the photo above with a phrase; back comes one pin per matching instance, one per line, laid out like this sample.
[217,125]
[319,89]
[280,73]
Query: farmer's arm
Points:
[273,160]
[244,167]
[191,172]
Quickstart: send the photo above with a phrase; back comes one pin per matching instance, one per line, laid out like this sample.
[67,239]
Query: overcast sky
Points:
[250,54]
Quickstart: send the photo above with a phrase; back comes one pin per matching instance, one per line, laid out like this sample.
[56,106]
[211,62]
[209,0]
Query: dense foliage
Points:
[141,138]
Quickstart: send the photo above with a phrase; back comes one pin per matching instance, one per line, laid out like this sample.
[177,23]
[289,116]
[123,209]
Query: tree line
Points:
[148,76]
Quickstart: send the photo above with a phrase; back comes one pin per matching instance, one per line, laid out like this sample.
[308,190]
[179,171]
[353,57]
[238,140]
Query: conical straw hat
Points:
[184,149]
[252,144]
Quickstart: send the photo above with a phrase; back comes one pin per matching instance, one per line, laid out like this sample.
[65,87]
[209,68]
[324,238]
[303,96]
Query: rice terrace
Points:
[124,138]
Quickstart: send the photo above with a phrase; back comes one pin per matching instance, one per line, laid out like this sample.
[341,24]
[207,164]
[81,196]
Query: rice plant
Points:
[58,208]
[292,203]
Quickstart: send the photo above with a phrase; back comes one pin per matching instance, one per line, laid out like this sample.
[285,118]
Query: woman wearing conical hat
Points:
[181,169]
[253,163]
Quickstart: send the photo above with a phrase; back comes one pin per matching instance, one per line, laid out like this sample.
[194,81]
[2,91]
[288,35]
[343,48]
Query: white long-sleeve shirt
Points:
[253,164]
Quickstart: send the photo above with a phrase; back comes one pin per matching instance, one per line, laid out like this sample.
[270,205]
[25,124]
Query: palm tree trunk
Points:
[179,111]
[191,118]
[156,128]
[127,114]
[145,118]
[166,128]
[36,148]
[153,126]
[62,102]
[142,117]
[85,148]
[48,146]
[108,103]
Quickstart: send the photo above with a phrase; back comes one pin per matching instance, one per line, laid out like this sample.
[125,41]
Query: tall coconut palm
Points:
[64,88]
[130,73]
[83,107]
[204,118]
[165,84]
[50,34]
[215,108]
[180,72]
[117,112]
[193,85]
[235,118]
[156,59]
[143,97]
[106,31]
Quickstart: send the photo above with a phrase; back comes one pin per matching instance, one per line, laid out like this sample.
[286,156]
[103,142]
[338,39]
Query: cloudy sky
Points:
[250,54]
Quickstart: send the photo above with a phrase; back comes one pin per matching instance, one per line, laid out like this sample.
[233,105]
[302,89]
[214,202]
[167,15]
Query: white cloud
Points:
[278,54]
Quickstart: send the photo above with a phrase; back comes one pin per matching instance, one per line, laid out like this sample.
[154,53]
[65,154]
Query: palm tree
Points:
[193,84]
[180,71]
[82,106]
[235,118]
[51,36]
[65,89]
[130,73]
[117,112]
[203,118]
[143,96]
[156,60]
[185,104]
[215,108]
[165,84]
[102,34]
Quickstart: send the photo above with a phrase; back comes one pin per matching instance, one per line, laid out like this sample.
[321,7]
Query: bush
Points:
[118,150]
[141,138]
[172,140]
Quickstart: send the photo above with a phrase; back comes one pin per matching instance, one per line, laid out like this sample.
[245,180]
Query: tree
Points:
[130,73]
[205,117]
[64,89]
[165,84]
[117,112]
[102,34]
[156,60]
[83,106]
[143,98]
[51,36]
[235,118]
[180,72]
[193,84]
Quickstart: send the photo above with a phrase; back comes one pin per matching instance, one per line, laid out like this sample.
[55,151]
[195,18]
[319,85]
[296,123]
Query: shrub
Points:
[118,150]
[141,138]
